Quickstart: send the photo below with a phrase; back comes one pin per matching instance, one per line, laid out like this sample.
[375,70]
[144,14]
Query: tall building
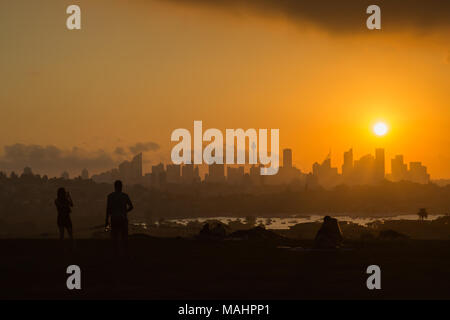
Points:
[399,169]
[216,173]
[364,170]
[173,174]
[287,158]
[158,176]
[188,173]
[197,175]
[379,165]
[65,175]
[235,175]
[347,167]
[84,174]
[136,165]
[131,171]
[255,175]
[418,173]
[27,171]
[326,175]
[287,173]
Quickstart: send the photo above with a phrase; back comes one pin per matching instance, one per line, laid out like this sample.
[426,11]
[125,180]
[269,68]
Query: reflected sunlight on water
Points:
[285,223]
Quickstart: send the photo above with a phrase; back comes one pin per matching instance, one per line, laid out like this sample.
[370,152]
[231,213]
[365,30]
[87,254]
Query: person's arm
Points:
[69,200]
[129,204]
[108,212]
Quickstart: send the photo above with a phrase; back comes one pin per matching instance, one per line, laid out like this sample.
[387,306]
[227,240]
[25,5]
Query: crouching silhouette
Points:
[329,235]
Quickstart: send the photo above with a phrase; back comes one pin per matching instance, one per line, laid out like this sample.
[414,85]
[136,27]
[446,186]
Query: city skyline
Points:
[367,170]
[105,86]
[20,156]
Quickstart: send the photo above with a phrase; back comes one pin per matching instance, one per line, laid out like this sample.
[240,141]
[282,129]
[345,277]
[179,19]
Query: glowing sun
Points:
[380,128]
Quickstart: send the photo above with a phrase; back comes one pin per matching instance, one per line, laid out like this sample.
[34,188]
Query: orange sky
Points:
[140,69]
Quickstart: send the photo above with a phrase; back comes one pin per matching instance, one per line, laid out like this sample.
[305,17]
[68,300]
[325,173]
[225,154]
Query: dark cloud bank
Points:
[343,15]
[53,161]
[144,147]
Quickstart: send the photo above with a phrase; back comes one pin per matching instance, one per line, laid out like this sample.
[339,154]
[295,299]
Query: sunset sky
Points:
[139,69]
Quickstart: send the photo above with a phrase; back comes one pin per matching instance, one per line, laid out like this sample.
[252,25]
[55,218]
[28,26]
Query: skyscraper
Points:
[158,176]
[347,167]
[235,175]
[379,165]
[65,175]
[187,173]
[131,171]
[136,166]
[418,173]
[399,169]
[364,170]
[27,171]
[216,173]
[84,174]
[287,158]
[325,174]
[173,173]
[255,175]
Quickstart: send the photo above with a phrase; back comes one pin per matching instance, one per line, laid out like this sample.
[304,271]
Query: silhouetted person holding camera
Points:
[63,205]
[117,208]
[329,235]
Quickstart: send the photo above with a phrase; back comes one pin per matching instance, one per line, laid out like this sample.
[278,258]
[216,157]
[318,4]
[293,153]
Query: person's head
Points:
[327,219]
[118,186]
[61,194]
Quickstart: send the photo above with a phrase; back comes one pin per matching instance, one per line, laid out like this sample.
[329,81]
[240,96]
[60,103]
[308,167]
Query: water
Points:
[285,223]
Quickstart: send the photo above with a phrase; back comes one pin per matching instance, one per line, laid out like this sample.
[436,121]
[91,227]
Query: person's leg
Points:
[125,237]
[61,232]
[115,237]
[70,232]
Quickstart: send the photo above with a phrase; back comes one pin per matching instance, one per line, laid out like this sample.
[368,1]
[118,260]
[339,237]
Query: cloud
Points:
[120,151]
[342,16]
[143,147]
[52,160]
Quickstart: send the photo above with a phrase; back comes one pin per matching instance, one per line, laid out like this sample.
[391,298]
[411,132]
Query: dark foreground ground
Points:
[192,269]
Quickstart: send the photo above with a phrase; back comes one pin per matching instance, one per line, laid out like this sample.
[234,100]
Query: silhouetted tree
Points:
[423,214]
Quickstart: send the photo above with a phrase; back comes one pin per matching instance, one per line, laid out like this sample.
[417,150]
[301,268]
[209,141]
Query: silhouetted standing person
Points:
[118,206]
[63,204]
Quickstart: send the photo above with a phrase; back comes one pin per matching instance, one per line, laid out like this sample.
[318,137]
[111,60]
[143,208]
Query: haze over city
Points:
[230,156]
[140,69]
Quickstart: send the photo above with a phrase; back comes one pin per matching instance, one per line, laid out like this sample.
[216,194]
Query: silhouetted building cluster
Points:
[324,174]
[367,170]
[416,173]
[84,174]
[287,173]
[129,172]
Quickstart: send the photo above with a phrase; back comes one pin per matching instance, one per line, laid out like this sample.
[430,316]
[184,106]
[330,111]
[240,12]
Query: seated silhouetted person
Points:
[117,208]
[205,231]
[63,205]
[329,235]
[219,231]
